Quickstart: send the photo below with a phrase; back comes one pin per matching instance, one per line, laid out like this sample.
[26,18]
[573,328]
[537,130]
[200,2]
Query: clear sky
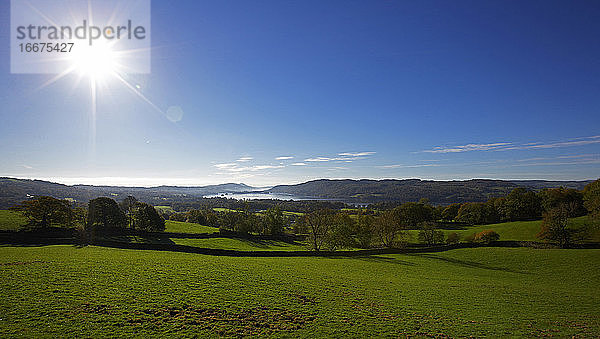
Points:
[269,92]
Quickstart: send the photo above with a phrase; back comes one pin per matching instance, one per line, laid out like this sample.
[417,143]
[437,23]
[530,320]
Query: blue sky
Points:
[270,92]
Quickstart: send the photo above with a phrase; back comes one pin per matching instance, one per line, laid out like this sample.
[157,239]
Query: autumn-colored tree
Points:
[487,236]
[43,212]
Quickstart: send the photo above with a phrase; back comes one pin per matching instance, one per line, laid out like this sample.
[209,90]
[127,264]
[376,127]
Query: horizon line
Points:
[89,181]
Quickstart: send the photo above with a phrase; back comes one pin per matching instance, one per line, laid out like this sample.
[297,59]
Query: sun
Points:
[98,61]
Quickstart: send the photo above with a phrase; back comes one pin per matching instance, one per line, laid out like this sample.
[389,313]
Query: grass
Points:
[188,227]
[164,209]
[64,291]
[520,230]
[239,244]
[11,221]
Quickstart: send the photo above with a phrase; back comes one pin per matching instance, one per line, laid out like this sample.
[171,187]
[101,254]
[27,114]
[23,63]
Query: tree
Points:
[179,216]
[341,232]
[486,236]
[80,216]
[196,217]
[412,214]
[555,227]
[146,218]
[127,207]
[521,204]
[274,221]
[430,235]
[318,224]
[475,213]
[212,219]
[364,229]
[44,211]
[450,212]
[387,227]
[591,198]
[105,213]
[567,197]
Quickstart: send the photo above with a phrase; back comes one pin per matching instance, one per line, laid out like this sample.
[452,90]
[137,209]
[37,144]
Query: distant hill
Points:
[13,191]
[438,192]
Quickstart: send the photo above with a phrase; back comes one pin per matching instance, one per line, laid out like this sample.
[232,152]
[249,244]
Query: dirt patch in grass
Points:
[21,263]
[253,321]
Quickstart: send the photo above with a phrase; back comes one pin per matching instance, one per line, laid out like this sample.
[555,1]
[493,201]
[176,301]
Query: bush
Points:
[453,238]
[430,235]
[555,227]
[470,237]
[179,216]
[487,236]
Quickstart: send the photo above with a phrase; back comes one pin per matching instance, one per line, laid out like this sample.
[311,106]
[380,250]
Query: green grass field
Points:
[58,291]
[241,244]
[11,221]
[523,230]
[187,227]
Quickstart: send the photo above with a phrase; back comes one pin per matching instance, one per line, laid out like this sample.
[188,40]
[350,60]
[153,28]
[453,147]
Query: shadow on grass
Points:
[467,263]
[386,260]
[264,243]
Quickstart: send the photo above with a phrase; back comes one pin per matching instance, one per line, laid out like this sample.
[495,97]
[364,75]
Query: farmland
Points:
[93,291]
[96,291]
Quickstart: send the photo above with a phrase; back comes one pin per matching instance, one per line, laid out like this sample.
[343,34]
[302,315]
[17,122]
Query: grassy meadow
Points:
[92,291]
[188,227]
[65,290]
[11,221]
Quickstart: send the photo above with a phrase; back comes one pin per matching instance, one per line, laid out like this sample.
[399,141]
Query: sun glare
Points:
[97,61]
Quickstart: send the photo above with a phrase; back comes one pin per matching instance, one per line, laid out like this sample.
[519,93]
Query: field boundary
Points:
[23,239]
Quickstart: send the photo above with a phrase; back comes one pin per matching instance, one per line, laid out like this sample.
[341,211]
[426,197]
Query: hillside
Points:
[438,192]
[13,191]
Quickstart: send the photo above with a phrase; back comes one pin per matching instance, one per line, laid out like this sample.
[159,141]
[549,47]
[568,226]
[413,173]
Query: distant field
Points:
[164,209]
[188,227]
[65,291]
[10,221]
[522,230]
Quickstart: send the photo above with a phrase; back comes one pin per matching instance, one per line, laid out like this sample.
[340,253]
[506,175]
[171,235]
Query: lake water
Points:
[256,196]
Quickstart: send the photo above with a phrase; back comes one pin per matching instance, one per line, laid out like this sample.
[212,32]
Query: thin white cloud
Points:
[298,164]
[345,157]
[244,159]
[27,166]
[263,167]
[284,158]
[409,166]
[357,154]
[509,146]
[225,166]
[236,168]
[561,163]
[468,148]
[319,159]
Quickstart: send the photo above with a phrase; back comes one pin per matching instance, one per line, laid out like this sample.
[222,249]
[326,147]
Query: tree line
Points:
[101,214]
[332,229]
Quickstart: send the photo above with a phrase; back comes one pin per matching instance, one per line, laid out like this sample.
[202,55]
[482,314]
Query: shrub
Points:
[487,236]
[555,227]
[470,237]
[452,238]
[429,234]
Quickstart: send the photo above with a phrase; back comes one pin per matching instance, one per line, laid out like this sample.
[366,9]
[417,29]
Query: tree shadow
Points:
[141,239]
[266,243]
[467,263]
[386,260]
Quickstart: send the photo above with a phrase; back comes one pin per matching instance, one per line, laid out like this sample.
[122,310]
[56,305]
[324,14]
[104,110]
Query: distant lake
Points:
[256,196]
